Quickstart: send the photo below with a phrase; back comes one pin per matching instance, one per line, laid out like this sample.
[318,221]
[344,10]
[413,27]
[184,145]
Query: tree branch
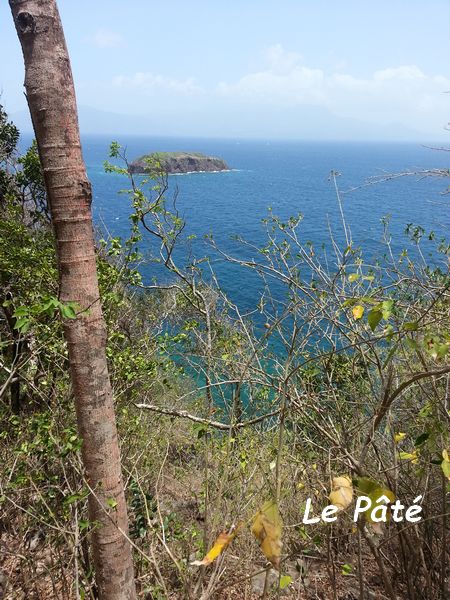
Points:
[171,412]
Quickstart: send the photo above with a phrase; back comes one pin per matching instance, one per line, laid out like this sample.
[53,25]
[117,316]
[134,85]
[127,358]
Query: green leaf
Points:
[426,410]
[23,324]
[350,302]
[68,311]
[285,580]
[374,317]
[386,308]
[111,502]
[438,350]
[114,149]
[80,495]
[410,326]
[83,524]
[421,439]
[412,344]
[72,498]
[200,429]
[49,307]
[346,569]
[353,277]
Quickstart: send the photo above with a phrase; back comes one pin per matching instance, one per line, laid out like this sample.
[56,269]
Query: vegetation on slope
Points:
[213,423]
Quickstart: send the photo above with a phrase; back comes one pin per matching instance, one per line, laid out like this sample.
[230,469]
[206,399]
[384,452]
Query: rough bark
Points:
[51,99]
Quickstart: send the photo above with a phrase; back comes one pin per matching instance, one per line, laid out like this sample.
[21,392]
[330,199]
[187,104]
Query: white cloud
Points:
[405,72]
[285,81]
[403,93]
[395,100]
[107,39]
[151,83]
[281,61]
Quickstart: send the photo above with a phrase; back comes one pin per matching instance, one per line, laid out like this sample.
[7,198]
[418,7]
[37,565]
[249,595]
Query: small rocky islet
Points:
[174,163]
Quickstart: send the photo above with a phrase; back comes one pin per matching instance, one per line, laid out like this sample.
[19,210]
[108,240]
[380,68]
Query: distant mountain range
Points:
[305,122]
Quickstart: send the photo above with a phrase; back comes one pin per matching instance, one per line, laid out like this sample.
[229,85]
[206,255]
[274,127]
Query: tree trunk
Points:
[51,100]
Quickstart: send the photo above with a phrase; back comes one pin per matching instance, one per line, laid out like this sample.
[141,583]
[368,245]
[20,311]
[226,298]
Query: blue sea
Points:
[290,177]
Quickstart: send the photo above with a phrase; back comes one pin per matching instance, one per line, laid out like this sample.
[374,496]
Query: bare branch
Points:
[216,424]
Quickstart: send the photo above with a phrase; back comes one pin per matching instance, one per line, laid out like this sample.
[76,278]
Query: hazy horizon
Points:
[252,70]
[134,126]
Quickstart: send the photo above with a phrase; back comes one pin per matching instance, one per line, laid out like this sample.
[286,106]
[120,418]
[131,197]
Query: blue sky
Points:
[253,68]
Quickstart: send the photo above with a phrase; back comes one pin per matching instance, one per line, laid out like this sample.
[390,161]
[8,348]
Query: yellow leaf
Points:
[342,492]
[358,311]
[266,528]
[285,580]
[221,544]
[385,492]
[445,464]
[412,456]
[374,490]
[375,496]
[398,437]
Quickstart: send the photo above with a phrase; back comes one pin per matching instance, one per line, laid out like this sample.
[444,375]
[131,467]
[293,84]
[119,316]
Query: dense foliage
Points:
[336,385]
